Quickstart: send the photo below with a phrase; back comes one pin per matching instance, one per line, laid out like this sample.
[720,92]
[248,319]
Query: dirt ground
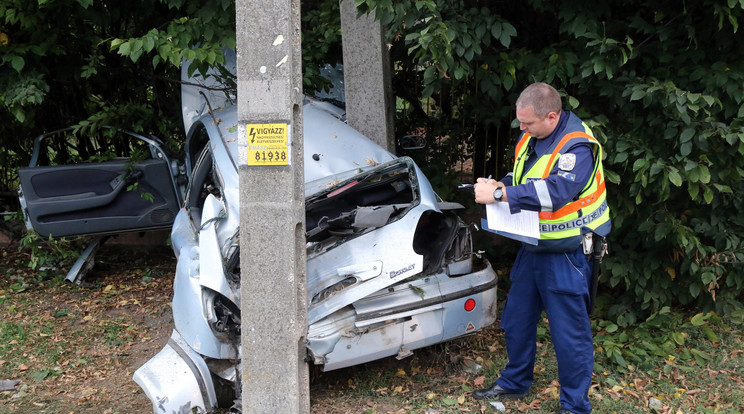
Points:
[75,348]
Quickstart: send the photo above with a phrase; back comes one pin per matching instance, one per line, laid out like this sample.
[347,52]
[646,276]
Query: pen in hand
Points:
[469,187]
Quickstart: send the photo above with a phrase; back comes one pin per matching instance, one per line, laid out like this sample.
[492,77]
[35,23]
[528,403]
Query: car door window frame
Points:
[205,180]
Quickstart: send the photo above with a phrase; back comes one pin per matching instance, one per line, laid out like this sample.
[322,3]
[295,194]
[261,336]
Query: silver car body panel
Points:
[340,150]
[199,273]
[377,259]
[394,320]
[177,380]
[196,101]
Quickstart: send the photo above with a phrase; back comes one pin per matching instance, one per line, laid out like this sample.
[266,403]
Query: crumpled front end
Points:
[177,380]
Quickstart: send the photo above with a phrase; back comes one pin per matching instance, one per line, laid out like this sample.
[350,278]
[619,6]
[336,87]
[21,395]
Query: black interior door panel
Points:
[99,198]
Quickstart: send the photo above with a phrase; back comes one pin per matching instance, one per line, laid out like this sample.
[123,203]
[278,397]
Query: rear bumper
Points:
[375,328]
[177,379]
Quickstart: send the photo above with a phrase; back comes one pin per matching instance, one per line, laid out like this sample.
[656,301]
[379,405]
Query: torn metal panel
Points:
[200,283]
[177,378]
[85,262]
[332,148]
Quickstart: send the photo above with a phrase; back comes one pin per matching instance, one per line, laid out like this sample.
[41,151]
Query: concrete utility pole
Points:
[370,106]
[272,208]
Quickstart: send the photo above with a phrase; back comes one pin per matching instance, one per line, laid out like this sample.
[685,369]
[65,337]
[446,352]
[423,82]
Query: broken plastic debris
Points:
[8,385]
[471,367]
[498,405]
[403,353]
[654,403]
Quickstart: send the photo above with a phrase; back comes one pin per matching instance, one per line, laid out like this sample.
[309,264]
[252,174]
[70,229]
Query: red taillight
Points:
[469,305]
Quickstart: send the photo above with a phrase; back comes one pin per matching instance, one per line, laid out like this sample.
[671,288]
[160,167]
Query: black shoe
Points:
[563,411]
[496,391]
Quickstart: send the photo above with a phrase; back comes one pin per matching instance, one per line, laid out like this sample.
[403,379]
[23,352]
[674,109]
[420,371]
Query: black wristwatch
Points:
[498,194]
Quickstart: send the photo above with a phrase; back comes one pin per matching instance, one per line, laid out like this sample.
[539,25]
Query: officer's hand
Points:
[484,189]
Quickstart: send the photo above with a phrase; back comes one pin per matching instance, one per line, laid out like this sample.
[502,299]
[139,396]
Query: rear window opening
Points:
[369,200]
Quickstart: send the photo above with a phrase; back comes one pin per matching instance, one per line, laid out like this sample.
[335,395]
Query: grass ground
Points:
[73,350]
[438,380]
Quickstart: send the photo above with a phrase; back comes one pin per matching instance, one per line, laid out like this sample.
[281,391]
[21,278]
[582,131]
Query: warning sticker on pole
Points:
[268,144]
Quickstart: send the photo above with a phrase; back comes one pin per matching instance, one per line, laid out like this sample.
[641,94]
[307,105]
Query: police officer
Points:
[557,172]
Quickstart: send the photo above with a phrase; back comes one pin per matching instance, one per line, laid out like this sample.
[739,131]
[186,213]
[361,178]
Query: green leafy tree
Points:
[57,70]
[659,82]
[321,42]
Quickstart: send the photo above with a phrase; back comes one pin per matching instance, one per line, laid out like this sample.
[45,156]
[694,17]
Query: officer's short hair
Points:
[542,97]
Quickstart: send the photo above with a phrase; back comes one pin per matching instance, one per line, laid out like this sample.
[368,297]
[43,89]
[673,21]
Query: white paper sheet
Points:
[525,223]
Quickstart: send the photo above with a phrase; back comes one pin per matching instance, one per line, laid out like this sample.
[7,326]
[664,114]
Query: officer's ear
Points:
[552,118]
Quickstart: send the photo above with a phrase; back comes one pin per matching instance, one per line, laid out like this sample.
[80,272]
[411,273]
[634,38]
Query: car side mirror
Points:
[412,142]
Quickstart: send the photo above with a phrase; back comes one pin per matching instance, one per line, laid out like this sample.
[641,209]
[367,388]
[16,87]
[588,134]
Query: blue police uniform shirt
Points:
[564,186]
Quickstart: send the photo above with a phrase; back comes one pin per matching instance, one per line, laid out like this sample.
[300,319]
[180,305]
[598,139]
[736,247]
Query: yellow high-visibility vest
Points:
[589,212]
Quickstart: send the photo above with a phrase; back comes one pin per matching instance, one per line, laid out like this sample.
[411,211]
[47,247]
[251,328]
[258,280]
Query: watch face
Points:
[498,194]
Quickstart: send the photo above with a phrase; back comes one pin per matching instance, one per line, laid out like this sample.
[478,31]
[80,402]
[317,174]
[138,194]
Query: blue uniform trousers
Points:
[559,284]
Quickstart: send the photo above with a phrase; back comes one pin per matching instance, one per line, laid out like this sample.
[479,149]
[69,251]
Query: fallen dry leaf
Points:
[534,405]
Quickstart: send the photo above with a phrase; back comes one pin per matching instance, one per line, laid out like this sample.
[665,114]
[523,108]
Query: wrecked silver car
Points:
[390,266]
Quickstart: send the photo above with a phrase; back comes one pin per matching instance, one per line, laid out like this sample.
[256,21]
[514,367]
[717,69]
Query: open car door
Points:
[110,182]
